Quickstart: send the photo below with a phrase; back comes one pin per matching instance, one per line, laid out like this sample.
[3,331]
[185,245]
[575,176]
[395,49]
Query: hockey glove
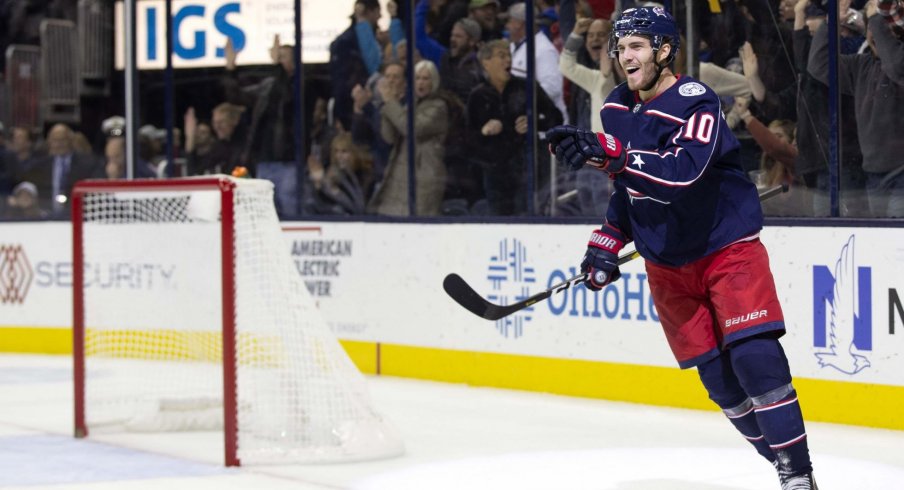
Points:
[575,147]
[601,260]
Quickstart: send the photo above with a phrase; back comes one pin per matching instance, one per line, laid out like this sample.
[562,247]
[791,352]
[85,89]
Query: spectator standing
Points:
[347,61]
[876,80]
[366,121]
[430,126]
[545,54]
[217,153]
[459,69]
[459,73]
[811,167]
[497,125]
[593,187]
[269,145]
[486,13]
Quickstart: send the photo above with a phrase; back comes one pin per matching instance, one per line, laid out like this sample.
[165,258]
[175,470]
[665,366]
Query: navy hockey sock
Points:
[744,418]
[762,370]
[725,390]
[778,414]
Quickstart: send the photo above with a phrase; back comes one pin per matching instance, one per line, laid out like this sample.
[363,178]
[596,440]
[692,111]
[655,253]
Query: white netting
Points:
[153,324]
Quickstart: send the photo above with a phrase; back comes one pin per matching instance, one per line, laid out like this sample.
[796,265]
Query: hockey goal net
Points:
[189,315]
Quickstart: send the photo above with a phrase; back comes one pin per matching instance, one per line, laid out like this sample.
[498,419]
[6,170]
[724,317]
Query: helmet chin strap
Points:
[655,79]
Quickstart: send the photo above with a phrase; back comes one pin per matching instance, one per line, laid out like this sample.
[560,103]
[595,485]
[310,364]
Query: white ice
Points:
[457,437]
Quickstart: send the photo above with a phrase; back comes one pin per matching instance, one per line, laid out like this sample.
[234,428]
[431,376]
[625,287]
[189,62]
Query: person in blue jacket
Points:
[682,197]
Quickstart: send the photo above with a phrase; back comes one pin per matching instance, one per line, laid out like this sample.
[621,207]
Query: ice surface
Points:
[457,437]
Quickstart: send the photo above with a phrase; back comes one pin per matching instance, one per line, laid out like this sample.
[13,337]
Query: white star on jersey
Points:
[638,161]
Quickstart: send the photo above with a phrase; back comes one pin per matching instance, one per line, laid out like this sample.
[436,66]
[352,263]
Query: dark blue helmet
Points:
[653,23]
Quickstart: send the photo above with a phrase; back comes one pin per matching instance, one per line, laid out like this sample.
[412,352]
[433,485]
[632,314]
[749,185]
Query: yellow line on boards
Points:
[863,404]
[31,340]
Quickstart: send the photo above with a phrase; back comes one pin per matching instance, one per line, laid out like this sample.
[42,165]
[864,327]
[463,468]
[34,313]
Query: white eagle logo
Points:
[842,354]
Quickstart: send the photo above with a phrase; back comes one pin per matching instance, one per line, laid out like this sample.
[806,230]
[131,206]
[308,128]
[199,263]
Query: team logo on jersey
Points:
[691,89]
[636,108]
[638,161]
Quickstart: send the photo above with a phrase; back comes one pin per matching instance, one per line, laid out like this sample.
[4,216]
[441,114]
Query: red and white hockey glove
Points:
[601,259]
[576,147]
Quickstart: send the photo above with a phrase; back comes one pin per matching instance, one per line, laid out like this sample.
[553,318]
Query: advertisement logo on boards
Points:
[842,313]
[511,276]
[16,274]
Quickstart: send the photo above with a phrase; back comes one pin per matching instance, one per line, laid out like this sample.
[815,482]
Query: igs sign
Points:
[202,27]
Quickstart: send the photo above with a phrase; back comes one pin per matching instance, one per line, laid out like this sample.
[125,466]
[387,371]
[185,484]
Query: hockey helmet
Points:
[653,23]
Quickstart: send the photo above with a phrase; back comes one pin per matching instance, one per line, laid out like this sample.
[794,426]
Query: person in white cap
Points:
[23,203]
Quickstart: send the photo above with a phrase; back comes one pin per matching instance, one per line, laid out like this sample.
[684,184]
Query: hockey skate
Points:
[799,482]
[795,482]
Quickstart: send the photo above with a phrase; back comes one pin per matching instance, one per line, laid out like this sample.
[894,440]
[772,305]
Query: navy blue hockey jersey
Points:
[683,194]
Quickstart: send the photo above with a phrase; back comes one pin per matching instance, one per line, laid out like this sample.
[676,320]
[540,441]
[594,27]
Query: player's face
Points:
[635,56]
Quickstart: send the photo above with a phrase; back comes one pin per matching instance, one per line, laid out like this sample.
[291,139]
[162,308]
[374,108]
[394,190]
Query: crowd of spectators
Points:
[767,60]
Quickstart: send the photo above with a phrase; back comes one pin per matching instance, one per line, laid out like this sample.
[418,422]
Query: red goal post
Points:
[188,315]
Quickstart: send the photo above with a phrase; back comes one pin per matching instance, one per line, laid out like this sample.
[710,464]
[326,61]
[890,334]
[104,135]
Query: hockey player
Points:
[683,198]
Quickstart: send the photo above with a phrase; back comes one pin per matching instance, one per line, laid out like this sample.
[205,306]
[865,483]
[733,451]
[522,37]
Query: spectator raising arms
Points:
[876,80]
[217,153]
[430,127]
[269,147]
[593,187]
[347,62]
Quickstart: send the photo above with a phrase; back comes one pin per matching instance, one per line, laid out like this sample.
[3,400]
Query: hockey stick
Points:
[471,300]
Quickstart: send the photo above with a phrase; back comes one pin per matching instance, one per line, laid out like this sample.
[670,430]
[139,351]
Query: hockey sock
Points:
[724,389]
[744,418]
[762,370]
[778,414]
